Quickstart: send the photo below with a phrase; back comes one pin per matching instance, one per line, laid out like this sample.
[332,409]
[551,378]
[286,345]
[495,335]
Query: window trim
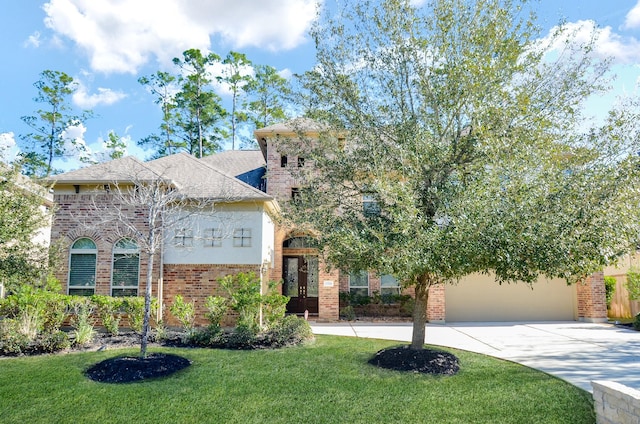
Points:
[125,251]
[83,251]
[213,237]
[368,286]
[242,237]
[183,237]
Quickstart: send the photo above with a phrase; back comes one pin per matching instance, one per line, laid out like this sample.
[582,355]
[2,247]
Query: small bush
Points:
[211,336]
[52,342]
[12,342]
[242,337]
[82,320]
[184,312]
[108,309]
[633,283]
[348,313]
[134,307]
[291,330]
[636,322]
[217,307]
[610,288]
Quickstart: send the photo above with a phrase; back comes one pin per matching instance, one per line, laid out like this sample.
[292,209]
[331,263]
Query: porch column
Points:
[592,302]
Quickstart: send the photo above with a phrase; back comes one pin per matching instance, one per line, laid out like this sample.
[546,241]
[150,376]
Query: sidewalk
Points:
[577,352]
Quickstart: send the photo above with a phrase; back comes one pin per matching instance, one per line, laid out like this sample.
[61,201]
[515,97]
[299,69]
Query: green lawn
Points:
[328,381]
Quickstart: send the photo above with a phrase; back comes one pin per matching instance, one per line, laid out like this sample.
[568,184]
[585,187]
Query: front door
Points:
[300,275]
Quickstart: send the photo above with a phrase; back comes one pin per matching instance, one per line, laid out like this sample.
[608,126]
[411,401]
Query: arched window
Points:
[126,268]
[82,267]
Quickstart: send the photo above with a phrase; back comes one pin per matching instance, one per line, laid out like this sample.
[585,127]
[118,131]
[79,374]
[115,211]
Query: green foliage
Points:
[467,136]
[610,288]
[210,336]
[636,322]
[184,312]
[21,260]
[633,283]
[274,306]
[47,140]
[82,320]
[108,309]
[244,298]
[134,308]
[217,307]
[289,331]
[348,313]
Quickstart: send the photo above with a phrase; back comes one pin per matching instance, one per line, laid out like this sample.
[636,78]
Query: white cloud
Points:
[608,44]
[75,146]
[105,96]
[123,36]
[33,40]
[632,20]
[7,146]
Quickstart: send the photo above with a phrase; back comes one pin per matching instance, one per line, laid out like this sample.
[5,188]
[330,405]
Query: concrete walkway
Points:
[573,351]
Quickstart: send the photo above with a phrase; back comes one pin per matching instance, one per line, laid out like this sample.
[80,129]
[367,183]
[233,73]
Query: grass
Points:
[328,381]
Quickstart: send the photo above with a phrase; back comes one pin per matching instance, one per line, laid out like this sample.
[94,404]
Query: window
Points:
[295,193]
[126,268]
[359,283]
[300,162]
[82,267]
[283,161]
[183,238]
[389,285]
[242,237]
[213,237]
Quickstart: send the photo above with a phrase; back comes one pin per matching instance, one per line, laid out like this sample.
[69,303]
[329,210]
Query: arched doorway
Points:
[300,275]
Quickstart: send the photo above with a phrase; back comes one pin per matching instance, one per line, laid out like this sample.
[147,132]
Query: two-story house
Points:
[242,234]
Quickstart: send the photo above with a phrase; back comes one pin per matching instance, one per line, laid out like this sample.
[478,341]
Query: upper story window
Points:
[213,237]
[183,238]
[125,272]
[300,162]
[82,267]
[283,161]
[370,206]
[242,237]
[295,193]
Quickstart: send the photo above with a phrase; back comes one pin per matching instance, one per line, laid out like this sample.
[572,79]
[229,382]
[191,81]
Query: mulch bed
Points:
[127,369]
[425,361]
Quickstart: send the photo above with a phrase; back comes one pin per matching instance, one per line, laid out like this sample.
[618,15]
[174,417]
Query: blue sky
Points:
[106,45]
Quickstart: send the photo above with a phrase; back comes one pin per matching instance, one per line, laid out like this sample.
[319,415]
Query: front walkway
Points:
[574,351]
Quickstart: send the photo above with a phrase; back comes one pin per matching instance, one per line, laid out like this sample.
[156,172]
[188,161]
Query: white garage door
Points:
[480,298]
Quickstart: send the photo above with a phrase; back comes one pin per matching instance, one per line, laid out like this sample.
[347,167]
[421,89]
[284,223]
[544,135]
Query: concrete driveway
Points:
[573,351]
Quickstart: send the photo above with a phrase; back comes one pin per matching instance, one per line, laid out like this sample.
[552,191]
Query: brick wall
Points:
[436,304]
[592,303]
[195,283]
[615,403]
[77,216]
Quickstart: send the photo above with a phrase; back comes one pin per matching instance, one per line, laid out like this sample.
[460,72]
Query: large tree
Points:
[163,86]
[268,93]
[198,110]
[23,218]
[50,124]
[236,76]
[454,143]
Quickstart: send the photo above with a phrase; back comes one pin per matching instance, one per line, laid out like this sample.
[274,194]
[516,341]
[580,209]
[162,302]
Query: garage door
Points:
[480,298]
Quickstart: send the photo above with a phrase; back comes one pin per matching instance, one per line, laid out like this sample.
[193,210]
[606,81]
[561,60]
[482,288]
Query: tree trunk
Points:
[420,312]
[144,340]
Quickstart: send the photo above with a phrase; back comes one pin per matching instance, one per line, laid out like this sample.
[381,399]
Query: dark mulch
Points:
[127,369]
[423,360]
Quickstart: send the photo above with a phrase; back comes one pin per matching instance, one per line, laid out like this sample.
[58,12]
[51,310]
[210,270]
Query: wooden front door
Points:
[300,275]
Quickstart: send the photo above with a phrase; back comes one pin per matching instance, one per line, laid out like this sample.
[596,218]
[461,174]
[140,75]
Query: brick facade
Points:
[196,282]
[592,304]
[77,217]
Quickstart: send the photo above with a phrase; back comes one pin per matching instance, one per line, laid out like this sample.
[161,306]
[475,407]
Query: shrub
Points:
[52,342]
[134,307]
[12,342]
[245,298]
[217,307]
[291,330]
[108,309]
[242,337]
[82,321]
[633,283]
[610,288]
[274,307]
[211,336]
[348,313]
[184,312]
[636,322]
